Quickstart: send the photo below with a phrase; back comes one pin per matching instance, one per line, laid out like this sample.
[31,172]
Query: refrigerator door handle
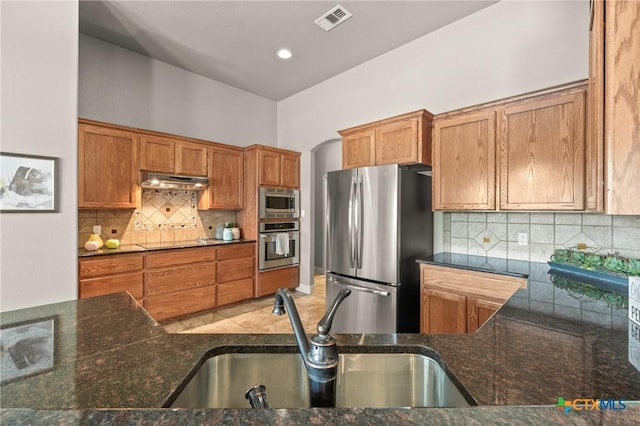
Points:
[352,207]
[359,194]
[361,289]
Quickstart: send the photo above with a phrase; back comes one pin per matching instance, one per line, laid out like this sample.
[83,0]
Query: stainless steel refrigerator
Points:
[379,222]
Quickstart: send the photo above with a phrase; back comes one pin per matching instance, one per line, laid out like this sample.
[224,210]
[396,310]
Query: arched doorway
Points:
[327,158]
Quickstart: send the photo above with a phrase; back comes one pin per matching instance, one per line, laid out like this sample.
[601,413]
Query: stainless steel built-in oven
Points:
[279,203]
[278,244]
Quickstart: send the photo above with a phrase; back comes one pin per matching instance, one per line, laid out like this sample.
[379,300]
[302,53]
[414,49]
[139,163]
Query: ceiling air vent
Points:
[332,18]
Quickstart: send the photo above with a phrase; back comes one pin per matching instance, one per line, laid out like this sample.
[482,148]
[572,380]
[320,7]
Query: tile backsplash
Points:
[496,234]
[165,216]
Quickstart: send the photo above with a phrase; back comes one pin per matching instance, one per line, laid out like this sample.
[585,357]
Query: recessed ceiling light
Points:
[284,54]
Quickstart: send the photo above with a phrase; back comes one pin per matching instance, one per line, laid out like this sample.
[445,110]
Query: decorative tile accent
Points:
[547,231]
[486,234]
[168,209]
[152,223]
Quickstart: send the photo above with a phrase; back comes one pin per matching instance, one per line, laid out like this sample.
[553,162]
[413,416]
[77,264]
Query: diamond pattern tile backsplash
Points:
[163,209]
[496,234]
[165,216]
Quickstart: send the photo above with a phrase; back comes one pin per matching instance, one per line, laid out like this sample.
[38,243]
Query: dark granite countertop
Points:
[515,268]
[546,342]
[138,248]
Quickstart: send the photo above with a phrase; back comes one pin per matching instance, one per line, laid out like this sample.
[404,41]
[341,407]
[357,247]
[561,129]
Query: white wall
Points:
[328,157]
[506,49]
[119,86]
[38,254]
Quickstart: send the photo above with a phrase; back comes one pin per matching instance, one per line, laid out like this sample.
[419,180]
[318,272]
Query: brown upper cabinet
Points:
[226,167]
[613,149]
[107,167]
[403,139]
[541,143]
[277,167]
[464,162]
[528,149]
[164,155]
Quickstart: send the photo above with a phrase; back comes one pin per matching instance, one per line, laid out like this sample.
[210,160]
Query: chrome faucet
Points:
[319,353]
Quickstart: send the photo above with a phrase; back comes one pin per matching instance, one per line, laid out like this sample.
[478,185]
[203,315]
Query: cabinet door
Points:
[397,143]
[358,149]
[225,179]
[478,312]
[157,154]
[107,168]
[191,159]
[269,168]
[464,162]
[621,108]
[443,312]
[594,150]
[290,170]
[542,145]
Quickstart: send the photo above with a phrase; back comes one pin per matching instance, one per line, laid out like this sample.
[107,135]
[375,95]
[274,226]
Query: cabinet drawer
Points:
[235,251]
[234,291]
[180,257]
[171,305]
[111,264]
[180,278]
[133,283]
[270,281]
[235,269]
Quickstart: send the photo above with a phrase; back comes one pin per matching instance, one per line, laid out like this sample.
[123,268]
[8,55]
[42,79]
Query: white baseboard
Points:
[319,270]
[304,288]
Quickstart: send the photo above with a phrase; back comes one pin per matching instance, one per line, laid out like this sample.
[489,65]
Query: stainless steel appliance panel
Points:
[377,216]
[278,203]
[340,222]
[268,255]
[370,308]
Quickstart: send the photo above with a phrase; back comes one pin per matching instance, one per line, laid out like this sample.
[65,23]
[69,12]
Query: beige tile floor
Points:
[255,316]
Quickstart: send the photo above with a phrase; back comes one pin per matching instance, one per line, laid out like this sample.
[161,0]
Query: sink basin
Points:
[364,380]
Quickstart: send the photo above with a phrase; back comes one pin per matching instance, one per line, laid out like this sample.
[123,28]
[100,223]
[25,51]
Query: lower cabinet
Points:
[180,282]
[460,301]
[270,281]
[235,273]
[174,283]
[443,312]
[111,274]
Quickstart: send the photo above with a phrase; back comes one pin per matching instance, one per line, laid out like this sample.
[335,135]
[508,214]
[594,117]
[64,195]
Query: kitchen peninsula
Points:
[114,364]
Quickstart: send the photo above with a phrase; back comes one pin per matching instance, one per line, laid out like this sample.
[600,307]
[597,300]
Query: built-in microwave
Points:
[279,203]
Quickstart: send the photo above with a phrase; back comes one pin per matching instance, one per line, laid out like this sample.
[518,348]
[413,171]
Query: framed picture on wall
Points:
[28,183]
[27,348]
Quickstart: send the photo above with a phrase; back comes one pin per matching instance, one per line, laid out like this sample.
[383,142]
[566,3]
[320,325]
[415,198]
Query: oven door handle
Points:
[360,289]
[271,237]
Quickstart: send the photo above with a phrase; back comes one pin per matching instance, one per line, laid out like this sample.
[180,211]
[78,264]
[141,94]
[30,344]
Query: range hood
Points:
[165,181]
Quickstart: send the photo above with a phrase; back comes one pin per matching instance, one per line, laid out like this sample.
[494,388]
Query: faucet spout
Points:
[284,298]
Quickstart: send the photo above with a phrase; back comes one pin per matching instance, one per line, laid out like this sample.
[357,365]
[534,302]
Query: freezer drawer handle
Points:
[362,289]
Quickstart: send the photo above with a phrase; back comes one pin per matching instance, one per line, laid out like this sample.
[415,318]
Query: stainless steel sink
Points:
[364,380]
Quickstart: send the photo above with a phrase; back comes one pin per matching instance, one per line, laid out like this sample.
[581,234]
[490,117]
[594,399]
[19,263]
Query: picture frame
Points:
[28,183]
[27,348]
